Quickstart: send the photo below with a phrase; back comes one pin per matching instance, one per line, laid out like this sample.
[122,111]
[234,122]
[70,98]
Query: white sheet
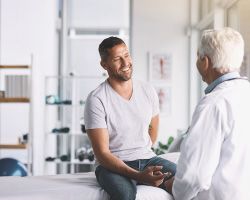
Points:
[81,186]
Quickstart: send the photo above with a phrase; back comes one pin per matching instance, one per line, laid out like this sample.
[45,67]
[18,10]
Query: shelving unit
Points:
[64,106]
[80,34]
[13,146]
[15,101]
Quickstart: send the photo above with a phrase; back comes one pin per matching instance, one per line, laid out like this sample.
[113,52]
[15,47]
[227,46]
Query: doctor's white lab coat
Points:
[215,156]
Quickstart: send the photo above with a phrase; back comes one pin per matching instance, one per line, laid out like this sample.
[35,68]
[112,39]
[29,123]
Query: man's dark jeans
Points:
[123,188]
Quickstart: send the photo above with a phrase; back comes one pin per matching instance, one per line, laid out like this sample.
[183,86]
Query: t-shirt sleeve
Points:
[94,113]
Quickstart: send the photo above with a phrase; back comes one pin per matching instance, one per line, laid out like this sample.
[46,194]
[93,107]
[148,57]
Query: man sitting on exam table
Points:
[117,117]
[215,155]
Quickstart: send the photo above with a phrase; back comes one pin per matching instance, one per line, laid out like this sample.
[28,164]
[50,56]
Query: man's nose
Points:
[125,62]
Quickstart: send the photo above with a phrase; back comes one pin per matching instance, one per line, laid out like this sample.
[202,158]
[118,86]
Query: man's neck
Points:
[226,77]
[215,73]
[123,88]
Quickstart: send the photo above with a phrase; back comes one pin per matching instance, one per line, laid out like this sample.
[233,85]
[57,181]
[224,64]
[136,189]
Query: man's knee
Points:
[124,193]
[117,186]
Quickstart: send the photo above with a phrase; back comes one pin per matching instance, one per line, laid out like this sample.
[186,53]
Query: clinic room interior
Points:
[49,63]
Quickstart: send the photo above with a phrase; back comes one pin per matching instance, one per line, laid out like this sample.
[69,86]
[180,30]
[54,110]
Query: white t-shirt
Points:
[215,155]
[127,121]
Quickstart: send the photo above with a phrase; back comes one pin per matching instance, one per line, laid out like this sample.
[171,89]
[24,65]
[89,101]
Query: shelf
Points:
[66,105]
[15,100]
[47,104]
[16,86]
[69,134]
[65,100]
[14,66]
[12,146]
[85,161]
[76,162]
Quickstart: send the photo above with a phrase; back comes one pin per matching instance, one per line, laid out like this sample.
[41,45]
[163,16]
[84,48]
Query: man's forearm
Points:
[99,138]
[151,175]
[111,162]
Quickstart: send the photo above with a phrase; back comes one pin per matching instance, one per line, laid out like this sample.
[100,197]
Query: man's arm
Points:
[100,143]
[153,128]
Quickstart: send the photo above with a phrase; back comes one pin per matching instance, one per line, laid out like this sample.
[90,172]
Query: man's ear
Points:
[103,64]
[209,62]
[205,62]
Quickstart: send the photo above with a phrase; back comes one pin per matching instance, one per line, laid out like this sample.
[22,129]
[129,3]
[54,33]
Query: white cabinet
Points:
[92,14]
[67,147]
[15,113]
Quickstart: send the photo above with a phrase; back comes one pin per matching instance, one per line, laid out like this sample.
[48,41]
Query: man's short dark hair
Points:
[107,44]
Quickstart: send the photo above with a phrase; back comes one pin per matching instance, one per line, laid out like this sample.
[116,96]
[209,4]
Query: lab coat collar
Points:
[225,77]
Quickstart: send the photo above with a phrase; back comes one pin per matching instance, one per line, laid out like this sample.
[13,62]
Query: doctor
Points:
[215,156]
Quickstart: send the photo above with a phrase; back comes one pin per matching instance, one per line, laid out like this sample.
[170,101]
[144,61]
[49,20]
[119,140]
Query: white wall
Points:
[160,26]
[29,27]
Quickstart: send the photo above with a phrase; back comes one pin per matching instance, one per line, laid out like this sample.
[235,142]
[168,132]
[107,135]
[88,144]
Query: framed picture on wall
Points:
[160,67]
[165,98]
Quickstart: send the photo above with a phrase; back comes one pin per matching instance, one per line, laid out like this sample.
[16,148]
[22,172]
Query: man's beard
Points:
[122,76]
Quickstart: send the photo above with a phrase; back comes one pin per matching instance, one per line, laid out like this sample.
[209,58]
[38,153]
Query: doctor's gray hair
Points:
[225,48]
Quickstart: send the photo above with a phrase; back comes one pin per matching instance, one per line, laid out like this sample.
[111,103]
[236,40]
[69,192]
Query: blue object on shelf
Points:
[61,130]
[12,167]
[54,99]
